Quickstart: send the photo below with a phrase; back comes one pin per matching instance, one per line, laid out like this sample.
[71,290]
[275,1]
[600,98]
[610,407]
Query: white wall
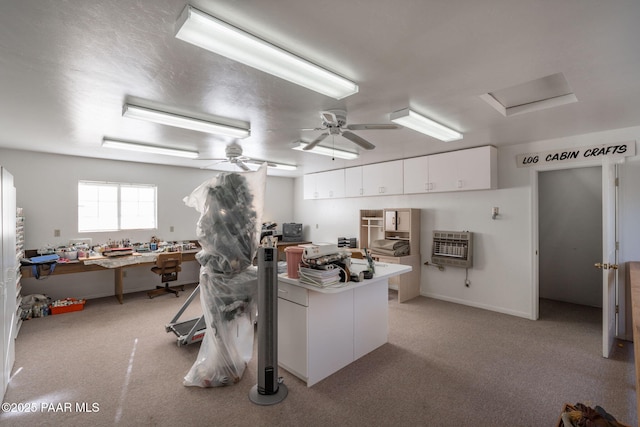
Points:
[501,275]
[502,278]
[46,186]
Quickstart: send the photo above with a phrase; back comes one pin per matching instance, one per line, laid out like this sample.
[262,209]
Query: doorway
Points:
[570,235]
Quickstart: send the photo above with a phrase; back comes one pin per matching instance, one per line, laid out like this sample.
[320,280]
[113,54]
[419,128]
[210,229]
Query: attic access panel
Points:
[539,94]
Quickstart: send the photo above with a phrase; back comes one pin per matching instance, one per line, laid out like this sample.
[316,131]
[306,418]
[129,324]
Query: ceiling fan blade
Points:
[372,127]
[358,140]
[315,142]
[210,158]
[261,162]
[242,166]
[213,164]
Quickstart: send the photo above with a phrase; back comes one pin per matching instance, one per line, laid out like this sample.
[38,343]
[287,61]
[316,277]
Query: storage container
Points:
[294,256]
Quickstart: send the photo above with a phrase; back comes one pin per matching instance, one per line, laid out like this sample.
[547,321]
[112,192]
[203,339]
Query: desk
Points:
[94,264]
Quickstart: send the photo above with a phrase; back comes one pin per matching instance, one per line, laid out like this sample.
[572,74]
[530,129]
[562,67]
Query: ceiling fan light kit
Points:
[233,153]
[334,122]
[184,122]
[208,32]
[422,124]
[327,151]
[152,149]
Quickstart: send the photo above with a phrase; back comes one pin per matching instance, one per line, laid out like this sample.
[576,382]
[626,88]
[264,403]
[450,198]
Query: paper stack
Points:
[321,278]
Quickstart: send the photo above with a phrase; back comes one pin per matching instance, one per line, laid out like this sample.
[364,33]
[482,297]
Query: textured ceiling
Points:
[67,67]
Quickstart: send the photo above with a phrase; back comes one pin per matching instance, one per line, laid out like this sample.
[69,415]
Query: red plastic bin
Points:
[77,305]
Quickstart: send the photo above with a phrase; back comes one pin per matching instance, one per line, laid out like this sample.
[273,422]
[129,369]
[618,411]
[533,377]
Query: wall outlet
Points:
[56,233]
[171,229]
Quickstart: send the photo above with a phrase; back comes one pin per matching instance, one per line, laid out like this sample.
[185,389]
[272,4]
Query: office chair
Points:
[167,267]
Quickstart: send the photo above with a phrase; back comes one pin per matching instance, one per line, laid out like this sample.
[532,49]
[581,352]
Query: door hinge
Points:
[617,181]
[617,246]
[617,309]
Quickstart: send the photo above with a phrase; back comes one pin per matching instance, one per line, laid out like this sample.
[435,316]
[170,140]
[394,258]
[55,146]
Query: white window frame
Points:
[101,207]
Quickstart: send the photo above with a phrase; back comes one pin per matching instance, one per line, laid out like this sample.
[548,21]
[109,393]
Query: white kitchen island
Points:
[322,330]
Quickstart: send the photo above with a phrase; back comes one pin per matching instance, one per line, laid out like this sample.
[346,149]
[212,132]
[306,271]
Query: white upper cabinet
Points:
[416,175]
[462,170]
[443,172]
[324,185]
[330,184]
[472,169]
[353,182]
[477,168]
[309,189]
[382,179]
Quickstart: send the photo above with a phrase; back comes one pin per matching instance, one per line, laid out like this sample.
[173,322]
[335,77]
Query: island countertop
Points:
[382,271]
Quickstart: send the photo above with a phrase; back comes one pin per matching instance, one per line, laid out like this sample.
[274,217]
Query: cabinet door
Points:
[416,175]
[443,174]
[309,186]
[382,178]
[390,220]
[330,185]
[292,337]
[403,220]
[353,182]
[477,168]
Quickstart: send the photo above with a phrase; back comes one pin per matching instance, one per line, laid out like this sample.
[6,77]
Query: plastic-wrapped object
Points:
[230,206]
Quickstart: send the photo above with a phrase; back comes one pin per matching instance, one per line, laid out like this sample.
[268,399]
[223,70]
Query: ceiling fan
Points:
[233,153]
[334,122]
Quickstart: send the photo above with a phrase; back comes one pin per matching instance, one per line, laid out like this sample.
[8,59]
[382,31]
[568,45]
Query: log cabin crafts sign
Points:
[576,154]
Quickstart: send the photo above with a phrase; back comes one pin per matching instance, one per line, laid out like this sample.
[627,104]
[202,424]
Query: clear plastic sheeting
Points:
[230,206]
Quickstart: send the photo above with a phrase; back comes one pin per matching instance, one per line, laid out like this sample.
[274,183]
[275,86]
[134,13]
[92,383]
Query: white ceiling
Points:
[68,66]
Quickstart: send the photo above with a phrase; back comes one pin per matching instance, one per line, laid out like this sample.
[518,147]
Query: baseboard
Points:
[134,290]
[478,305]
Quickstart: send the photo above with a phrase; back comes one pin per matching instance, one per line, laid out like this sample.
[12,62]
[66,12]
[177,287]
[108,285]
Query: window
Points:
[110,206]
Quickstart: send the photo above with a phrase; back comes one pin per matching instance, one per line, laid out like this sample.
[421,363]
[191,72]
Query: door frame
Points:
[535,233]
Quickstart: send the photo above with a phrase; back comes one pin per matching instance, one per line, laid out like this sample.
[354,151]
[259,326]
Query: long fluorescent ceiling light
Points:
[210,33]
[153,149]
[419,123]
[170,119]
[327,151]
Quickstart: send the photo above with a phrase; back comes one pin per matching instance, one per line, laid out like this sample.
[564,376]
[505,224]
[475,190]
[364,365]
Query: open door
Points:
[609,263]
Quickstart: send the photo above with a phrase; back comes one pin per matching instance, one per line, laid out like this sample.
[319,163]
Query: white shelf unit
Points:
[371,227]
[19,256]
[395,224]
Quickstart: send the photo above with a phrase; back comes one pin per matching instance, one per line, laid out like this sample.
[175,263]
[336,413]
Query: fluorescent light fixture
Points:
[210,33]
[152,149]
[176,120]
[419,123]
[327,151]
